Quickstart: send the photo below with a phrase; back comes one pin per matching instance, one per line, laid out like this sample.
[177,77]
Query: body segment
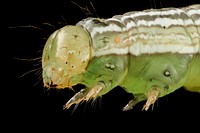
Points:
[149,53]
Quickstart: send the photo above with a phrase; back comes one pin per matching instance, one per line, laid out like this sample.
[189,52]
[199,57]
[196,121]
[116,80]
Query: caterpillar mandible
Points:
[149,53]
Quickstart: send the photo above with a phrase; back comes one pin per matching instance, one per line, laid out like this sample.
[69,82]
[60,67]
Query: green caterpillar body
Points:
[149,53]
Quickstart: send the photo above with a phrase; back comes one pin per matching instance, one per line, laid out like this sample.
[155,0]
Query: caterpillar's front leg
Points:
[85,95]
[137,98]
[151,97]
[102,75]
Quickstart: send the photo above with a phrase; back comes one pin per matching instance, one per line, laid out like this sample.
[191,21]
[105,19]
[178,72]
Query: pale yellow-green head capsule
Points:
[66,53]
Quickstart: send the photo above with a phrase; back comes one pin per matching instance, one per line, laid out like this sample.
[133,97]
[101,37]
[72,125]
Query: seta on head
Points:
[66,54]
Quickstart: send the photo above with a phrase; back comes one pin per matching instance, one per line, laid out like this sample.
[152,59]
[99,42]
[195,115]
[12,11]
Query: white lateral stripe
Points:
[139,49]
[163,48]
[119,51]
[197,22]
[171,36]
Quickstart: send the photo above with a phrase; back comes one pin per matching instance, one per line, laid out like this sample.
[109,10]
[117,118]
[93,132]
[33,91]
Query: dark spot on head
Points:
[66,62]
[75,36]
[166,87]
[164,27]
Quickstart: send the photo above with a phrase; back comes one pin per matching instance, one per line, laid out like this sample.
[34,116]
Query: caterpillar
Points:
[149,53]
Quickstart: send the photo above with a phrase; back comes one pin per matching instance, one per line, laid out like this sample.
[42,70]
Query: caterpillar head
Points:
[65,54]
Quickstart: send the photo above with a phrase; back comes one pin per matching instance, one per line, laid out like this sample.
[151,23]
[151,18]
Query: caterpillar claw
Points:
[84,95]
[152,96]
[93,93]
[76,99]
[137,98]
[129,105]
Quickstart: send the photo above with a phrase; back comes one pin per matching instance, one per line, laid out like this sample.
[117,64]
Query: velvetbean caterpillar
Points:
[149,53]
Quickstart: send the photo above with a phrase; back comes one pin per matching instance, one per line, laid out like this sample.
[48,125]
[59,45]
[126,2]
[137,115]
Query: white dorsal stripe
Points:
[165,22]
[111,27]
[114,19]
[152,13]
[192,12]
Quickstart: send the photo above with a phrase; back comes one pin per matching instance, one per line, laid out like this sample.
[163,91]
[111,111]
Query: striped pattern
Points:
[175,30]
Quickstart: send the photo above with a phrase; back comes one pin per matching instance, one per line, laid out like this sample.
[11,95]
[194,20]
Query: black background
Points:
[30,105]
